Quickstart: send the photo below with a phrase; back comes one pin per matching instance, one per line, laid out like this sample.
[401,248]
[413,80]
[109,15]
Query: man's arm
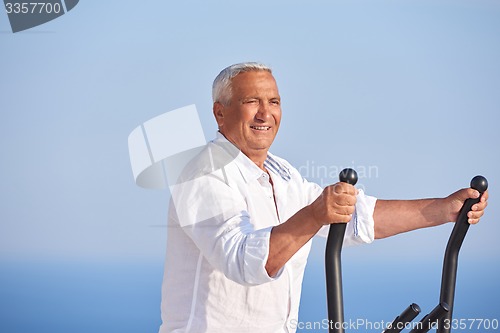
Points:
[335,205]
[396,216]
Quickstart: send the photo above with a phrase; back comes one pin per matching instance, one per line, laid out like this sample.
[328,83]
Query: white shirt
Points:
[219,224]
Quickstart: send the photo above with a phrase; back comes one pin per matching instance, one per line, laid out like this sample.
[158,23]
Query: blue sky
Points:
[407,89]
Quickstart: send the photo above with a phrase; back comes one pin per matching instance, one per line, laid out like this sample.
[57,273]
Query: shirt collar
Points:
[275,166]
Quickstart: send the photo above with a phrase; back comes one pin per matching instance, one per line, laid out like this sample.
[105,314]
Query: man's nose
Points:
[264,111]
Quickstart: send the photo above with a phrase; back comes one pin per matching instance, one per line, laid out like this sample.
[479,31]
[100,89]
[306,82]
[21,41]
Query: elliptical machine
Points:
[441,315]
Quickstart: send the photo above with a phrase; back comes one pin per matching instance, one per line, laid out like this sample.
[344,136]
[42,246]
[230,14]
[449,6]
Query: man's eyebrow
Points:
[248,98]
[243,99]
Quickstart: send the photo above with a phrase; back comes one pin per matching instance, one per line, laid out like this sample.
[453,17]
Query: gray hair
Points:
[221,88]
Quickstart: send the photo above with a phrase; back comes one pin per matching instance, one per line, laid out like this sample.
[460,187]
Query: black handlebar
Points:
[442,313]
[450,262]
[333,265]
[428,322]
[405,317]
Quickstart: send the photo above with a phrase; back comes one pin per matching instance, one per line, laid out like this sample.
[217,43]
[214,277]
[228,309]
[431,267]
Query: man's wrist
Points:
[445,210]
[310,217]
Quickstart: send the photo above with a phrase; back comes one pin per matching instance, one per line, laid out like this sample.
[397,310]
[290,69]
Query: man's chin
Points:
[264,145]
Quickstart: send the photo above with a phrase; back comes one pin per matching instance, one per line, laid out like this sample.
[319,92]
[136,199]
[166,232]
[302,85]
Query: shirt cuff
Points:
[256,255]
[361,228]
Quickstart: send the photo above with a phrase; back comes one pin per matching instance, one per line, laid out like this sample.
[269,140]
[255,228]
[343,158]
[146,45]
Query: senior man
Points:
[241,219]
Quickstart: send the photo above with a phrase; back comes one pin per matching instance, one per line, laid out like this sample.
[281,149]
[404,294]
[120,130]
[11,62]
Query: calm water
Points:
[62,297]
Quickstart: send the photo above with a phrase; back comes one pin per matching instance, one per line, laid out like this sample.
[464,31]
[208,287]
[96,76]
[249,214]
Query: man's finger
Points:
[346,200]
[473,221]
[475,215]
[344,188]
[480,206]
[473,194]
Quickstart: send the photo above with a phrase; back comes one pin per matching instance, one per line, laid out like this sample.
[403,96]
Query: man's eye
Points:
[275,102]
[251,101]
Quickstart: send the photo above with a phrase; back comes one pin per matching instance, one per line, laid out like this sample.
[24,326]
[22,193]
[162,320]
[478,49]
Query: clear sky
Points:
[407,92]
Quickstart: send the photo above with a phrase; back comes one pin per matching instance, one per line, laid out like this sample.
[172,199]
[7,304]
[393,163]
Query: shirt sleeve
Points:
[214,215]
[361,228]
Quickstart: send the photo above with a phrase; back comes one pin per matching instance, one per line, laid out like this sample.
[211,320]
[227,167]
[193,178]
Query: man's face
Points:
[252,117]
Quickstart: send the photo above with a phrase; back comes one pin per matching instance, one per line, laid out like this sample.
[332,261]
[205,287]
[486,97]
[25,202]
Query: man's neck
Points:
[257,156]
[258,159]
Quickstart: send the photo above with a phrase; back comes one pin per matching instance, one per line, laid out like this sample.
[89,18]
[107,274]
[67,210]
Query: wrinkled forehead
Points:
[256,79]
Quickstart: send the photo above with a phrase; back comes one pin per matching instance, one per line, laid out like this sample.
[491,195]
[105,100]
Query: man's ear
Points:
[218,110]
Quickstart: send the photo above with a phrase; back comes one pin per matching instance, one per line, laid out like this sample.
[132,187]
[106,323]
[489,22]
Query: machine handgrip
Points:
[450,262]
[401,321]
[427,323]
[333,265]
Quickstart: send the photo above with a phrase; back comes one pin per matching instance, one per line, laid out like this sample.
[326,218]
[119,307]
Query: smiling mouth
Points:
[260,128]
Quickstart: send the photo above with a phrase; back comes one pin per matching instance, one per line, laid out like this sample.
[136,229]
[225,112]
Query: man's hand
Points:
[335,205]
[456,200]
